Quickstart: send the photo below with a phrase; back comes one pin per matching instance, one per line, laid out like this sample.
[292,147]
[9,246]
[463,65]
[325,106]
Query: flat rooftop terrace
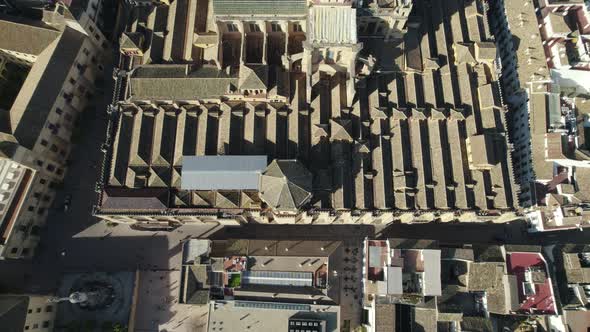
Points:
[267,317]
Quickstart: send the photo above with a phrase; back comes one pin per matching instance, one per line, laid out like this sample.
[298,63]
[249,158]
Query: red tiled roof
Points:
[561,177]
[543,301]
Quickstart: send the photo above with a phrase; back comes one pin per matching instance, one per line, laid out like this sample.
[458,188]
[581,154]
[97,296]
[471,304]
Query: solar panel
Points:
[271,305]
[274,278]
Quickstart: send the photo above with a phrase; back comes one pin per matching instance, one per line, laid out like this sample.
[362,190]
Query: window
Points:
[46,198]
[44,142]
[59,171]
[46,324]
[232,27]
[27,327]
[13,250]
[72,81]
[53,148]
[50,167]
[53,127]
[275,27]
[254,27]
[91,28]
[30,311]
[38,309]
[37,195]
[49,308]
[329,54]
[58,110]
[297,27]
[42,181]
[26,252]
[35,326]
[31,208]
[39,163]
[85,51]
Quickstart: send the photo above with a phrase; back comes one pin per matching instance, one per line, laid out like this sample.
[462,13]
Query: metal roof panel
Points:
[222,172]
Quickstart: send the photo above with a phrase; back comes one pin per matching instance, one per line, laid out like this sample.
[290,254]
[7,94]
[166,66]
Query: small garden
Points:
[235,280]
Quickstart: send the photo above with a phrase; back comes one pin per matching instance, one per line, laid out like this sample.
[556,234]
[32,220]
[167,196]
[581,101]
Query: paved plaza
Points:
[158,307]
